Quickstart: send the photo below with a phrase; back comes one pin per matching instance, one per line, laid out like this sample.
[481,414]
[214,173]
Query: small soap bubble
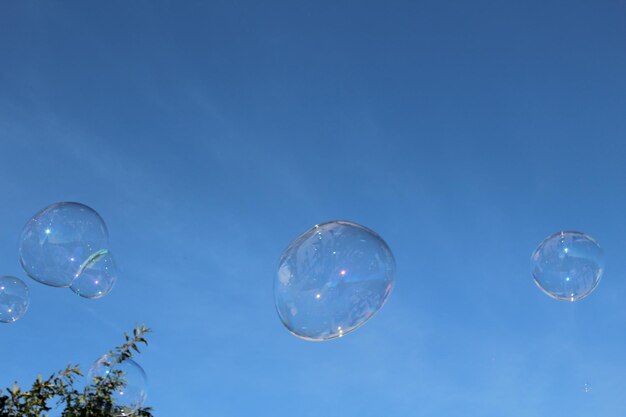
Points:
[58,240]
[567,266]
[332,279]
[14,299]
[97,276]
[128,379]
[587,388]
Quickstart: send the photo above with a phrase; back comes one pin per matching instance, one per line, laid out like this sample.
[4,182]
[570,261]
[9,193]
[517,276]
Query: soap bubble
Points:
[129,382]
[567,265]
[14,299]
[97,276]
[332,279]
[58,240]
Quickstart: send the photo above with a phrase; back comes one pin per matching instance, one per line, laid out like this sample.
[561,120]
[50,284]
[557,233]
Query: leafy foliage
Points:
[58,390]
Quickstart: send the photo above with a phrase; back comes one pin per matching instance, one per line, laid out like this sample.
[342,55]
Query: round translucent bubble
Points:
[567,265]
[128,379]
[14,299]
[332,279]
[57,241]
[97,276]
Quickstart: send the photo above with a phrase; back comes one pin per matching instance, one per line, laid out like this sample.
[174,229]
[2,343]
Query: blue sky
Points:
[209,135]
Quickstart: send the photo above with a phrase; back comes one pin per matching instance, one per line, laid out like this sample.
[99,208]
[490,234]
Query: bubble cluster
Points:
[14,299]
[128,381]
[567,266]
[332,279]
[66,245]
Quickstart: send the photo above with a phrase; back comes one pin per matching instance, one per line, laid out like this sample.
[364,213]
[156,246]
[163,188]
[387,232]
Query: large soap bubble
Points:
[332,279]
[14,299]
[567,265]
[126,381]
[97,276]
[58,240]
